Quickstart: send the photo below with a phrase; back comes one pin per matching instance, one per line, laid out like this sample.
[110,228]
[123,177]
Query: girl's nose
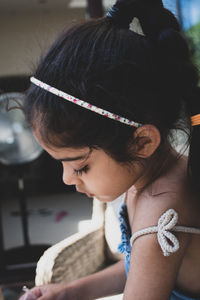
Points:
[69,177]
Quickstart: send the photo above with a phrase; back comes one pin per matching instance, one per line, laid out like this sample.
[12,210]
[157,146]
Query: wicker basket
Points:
[79,255]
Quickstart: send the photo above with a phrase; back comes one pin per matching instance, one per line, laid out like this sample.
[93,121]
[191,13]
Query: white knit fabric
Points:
[167,240]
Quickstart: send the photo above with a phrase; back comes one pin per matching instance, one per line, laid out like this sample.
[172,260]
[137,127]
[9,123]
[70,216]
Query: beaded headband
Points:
[84,104]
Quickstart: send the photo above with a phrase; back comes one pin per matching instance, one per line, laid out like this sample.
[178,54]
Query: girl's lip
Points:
[88,194]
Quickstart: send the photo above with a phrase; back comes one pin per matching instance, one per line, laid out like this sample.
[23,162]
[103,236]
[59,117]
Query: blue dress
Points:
[125,248]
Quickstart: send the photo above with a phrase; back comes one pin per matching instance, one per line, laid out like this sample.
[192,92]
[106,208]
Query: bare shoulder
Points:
[148,266]
[149,209]
[167,192]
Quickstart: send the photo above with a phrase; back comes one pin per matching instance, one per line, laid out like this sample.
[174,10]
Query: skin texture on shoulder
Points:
[151,273]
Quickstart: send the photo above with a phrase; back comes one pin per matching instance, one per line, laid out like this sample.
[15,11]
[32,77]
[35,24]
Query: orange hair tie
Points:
[195,120]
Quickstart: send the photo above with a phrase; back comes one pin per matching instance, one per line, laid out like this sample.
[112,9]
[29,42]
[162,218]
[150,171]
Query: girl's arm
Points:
[152,276]
[110,281]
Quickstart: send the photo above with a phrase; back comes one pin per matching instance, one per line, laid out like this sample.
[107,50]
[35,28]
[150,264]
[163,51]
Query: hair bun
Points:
[155,20]
[122,13]
[153,17]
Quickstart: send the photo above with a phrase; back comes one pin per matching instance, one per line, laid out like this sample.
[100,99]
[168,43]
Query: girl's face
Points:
[94,172]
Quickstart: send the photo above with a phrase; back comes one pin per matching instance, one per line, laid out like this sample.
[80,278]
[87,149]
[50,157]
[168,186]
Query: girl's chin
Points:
[102,198]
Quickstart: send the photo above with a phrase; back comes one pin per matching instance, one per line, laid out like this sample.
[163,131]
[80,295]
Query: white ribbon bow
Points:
[168,242]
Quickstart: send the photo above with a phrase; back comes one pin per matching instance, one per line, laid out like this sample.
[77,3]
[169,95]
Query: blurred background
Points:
[36,208]
[188,14]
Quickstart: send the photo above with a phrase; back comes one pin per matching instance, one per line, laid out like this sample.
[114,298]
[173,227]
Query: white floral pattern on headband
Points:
[84,104]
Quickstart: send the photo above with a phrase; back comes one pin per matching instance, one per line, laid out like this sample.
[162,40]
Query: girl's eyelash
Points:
[81,171]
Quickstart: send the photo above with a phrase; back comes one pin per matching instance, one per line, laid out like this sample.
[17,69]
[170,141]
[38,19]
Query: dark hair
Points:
[149,79]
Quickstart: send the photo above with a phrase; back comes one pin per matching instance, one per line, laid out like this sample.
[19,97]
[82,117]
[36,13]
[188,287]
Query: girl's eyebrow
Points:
[72,158]
[80,157]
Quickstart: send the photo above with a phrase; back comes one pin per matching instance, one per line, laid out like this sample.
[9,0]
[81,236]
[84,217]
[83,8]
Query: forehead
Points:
[59,152]
[68,154]
[69,151]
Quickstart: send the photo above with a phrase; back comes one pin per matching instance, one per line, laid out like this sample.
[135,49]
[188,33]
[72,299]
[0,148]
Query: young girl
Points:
[104,102]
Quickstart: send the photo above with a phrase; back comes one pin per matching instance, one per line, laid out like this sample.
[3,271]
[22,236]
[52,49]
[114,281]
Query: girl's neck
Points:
[156,166]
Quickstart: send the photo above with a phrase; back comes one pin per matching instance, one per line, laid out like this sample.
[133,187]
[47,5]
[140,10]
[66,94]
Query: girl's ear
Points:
[147,140]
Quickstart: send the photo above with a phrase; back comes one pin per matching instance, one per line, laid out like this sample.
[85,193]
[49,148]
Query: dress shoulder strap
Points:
[166,223]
